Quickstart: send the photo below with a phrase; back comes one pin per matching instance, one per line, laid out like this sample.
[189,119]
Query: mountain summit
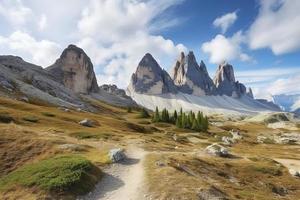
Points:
[150,78]
[225,82]
[75,70]
[190,77]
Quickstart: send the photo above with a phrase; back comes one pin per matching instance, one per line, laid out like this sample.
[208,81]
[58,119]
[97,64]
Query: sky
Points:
[260,38]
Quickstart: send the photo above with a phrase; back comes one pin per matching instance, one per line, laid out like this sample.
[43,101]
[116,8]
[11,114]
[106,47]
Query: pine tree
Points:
[156,117]
[144,113]
[195,126]
[179,122]
[175,115]
[205,124]
[129,109]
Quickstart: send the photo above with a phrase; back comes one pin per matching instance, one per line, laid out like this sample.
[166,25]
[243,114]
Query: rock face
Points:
[74,70]
[192,78]
[150,78]
[225,82]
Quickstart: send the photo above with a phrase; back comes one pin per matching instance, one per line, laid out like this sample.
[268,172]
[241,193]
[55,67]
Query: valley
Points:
[157,167]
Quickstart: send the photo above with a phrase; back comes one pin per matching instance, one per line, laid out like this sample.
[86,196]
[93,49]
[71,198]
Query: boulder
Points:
[212,193]
[294,172]
[87,123]
[236,135]
[116,155]
[217,150]
[228,140]
[24,99]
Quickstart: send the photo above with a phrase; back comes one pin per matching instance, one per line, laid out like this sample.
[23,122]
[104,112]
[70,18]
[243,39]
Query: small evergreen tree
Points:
[175,116]
[129,109]
[156,117]
[179,122]
[144,113]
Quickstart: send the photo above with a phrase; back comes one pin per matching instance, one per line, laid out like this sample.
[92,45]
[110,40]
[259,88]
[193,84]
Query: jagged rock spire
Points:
[150,78]
[225,82]
[190,77]
[75,70]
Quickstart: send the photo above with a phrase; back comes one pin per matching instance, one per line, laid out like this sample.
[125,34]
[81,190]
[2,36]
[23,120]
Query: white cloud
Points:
[41,52]
[277,26]
[271,81]
[42,22]
[116,34]
[15,12]
[225,21]
[221,48]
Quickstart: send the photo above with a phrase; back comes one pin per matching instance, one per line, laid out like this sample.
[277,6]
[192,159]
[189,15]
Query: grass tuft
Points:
[47,114]
[32,119]
[88,135]
[68,173]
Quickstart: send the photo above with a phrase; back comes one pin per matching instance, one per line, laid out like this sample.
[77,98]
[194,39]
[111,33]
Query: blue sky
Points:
[260,38]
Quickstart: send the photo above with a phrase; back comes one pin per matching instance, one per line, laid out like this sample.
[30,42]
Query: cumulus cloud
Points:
[127,36]
[225,21]
[115,34]
[271,81]
[277,26]
[42,52]
[42,22]
[15,11]
[222,48]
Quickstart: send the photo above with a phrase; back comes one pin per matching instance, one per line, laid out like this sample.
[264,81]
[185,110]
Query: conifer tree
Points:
[156,117]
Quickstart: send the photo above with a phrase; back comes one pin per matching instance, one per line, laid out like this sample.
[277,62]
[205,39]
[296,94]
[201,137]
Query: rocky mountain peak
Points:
[190,77]
[75,70]
[225,83]
[150,78]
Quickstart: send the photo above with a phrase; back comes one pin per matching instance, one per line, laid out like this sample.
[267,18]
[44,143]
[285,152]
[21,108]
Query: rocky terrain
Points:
[65,83]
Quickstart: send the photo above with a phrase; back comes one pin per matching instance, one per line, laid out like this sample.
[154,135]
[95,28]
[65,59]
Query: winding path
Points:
[123,180]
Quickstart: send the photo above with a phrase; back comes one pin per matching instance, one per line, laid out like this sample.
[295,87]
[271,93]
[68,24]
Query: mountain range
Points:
[71,82]
[190,87]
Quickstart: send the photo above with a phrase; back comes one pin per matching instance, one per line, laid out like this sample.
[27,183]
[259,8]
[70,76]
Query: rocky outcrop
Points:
[225,82]
[18,77]
[269,104]
[249,93]
[113,89]
[74,70]
[191,78]
[150,78]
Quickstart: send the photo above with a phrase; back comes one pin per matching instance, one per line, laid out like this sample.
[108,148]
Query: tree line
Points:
[190,120]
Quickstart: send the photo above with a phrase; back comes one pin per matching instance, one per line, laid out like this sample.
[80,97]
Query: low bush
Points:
[47,114]
[32,119]
[5,118]
[67,173]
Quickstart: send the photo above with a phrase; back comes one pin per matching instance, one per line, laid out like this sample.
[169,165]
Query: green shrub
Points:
[68,173]
[88,135]
[32,119]
[5,118]
[48,114]
[144,113]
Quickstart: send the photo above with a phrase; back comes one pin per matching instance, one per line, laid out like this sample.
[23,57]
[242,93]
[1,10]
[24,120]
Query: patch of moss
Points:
[32,119]
[47,114]
[68,173]
[89,135]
